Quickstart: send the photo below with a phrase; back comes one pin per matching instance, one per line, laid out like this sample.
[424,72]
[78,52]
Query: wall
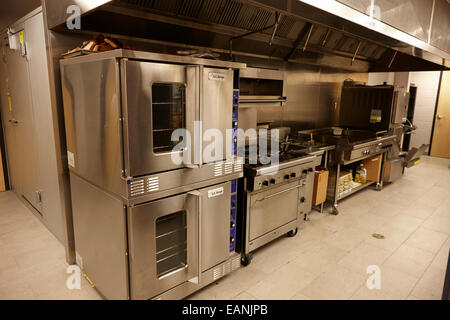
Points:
[427,88]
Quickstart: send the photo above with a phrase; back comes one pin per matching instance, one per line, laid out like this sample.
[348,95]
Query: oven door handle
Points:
[278,193]
[198,278]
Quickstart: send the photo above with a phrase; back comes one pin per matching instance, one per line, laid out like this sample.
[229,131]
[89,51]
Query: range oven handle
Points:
[198,279]
[278,193]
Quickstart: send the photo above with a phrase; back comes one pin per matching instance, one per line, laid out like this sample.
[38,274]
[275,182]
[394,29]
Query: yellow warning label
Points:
[10,104]
[21,36]
[417,162]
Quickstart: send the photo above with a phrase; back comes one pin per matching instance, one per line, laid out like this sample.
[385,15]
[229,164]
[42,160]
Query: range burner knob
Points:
[310,170]
[302,199]
[272,181]
[286,177]
[305,171]
[293,175]
[265,183]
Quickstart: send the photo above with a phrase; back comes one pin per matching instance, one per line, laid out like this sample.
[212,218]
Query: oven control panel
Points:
[235,120]
[282,176]
[233,207]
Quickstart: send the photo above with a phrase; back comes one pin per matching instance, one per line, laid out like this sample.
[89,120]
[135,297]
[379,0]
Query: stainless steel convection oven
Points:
[147,227]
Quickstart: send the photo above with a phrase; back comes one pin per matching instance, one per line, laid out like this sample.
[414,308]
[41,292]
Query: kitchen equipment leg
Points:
[335,210]
[325,165]
[379,186]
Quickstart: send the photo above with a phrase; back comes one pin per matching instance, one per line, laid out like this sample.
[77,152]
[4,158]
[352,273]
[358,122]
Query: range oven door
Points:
[159,98]
[272,209]
[173,240]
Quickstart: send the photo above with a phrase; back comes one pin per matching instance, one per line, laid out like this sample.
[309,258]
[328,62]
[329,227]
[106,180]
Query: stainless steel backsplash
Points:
[313,99]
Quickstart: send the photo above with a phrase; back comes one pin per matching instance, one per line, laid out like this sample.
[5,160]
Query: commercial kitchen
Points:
[225,149]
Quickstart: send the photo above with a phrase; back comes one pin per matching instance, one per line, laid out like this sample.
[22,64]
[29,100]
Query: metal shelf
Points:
[349,192]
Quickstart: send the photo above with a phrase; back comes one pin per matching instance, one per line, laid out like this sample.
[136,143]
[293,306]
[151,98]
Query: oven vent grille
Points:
[236,263]
[228,167]
[218,169]
[238,165]
[153,184]
[137,188]
[217,273]
[226,268]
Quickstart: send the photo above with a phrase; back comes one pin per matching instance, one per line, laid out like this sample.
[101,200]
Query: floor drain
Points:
[378,236]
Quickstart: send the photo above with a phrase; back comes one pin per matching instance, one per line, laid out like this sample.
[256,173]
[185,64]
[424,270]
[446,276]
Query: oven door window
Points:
[168,113]
[171,243]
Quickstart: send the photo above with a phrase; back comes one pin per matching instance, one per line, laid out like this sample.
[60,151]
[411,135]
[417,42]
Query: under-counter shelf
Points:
[351,191]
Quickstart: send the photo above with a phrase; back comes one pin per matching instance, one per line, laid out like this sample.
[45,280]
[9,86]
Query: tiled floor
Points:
[326,260]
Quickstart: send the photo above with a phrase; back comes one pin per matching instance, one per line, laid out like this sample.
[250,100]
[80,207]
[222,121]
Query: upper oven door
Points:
[158,99]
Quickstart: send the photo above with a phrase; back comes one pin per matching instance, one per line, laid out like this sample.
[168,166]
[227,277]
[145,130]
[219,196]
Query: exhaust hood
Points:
[351,35]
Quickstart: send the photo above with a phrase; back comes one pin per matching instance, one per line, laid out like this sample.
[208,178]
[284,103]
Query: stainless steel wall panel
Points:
[47,157]
[313,98]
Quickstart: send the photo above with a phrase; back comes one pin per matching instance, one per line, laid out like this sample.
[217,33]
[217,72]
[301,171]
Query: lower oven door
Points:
[163,241]
[173,240]
[272,209]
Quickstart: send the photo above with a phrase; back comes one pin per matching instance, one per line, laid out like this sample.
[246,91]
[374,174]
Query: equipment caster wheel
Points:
[335,210]
[246,259]
[292,233]
[379,187]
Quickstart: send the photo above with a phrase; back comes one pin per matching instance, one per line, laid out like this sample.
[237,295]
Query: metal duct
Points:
[212,23]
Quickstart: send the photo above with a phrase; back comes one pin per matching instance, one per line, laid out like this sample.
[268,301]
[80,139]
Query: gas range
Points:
[276,196]
[294,163]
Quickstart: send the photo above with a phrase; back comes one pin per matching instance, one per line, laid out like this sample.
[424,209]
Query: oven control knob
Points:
[302,199]
[272,181]
[310,170]
[286,177]
[305,171]
[265,183]
[293,175]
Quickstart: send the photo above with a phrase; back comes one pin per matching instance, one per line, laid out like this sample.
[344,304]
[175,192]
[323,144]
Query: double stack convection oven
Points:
[147,227]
